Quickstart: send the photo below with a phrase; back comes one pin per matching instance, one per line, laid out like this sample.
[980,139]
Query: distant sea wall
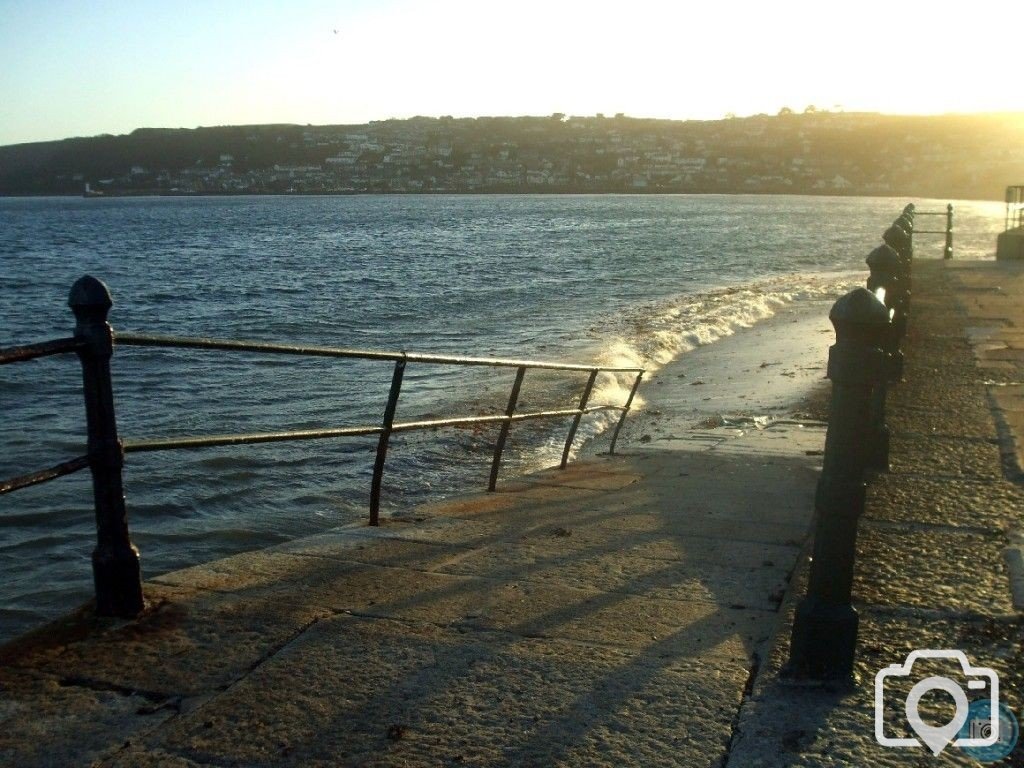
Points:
[1010,245]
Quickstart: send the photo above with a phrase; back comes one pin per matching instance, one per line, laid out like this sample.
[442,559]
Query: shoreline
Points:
[770,370]
[493,193]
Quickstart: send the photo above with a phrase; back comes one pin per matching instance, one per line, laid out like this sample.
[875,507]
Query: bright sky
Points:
[83,67]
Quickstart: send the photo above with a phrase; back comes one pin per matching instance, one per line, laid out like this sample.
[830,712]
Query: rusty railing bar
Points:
[215,441]
[510,409]
[140,340]
[579,415]
[385,437]
[625,411]
[40,349]
[44,475]
[409,426]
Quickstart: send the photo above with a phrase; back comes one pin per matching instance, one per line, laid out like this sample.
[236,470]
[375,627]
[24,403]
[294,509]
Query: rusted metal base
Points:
[118,580]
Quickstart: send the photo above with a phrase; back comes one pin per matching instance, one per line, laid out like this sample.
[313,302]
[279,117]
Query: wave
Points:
[655,334]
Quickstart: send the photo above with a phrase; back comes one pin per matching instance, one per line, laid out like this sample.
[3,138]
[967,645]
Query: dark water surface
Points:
[613,279]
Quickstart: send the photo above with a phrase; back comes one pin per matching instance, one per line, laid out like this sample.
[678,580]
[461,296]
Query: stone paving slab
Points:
[59,719]
[189,643]
[415,694]
[948,502]
[914,566]
[928,455]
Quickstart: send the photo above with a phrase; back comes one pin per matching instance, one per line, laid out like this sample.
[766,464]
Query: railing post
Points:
[825,630]
[115,561]
[576,421]
[625,412]
[385,437]
[510,409]
[948,253]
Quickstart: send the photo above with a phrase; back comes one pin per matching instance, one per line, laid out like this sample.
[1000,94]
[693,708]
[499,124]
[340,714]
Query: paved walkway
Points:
[612,614]
[625,612]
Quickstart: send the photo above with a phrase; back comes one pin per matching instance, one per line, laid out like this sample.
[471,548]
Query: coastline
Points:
[839,194]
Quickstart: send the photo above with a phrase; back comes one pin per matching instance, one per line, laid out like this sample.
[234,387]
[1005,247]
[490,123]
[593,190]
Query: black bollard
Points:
[887,271]
[900,241]
[115,561]
[885,266]
[825,630]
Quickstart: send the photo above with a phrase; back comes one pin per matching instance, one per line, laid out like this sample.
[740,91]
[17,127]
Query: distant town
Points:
[806,152]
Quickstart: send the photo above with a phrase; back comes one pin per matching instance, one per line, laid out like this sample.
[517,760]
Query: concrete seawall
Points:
[631,610]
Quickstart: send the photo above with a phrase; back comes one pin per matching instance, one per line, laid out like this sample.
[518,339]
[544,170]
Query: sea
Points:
[606,279]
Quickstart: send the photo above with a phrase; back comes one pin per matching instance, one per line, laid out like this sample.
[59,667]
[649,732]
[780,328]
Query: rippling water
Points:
[614,279]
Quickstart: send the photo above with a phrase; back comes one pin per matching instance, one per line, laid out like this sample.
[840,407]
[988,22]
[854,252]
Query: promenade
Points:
[629,611]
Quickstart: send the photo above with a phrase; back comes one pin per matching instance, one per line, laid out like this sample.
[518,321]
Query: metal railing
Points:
[1014,218]
[947,251]
[115,560]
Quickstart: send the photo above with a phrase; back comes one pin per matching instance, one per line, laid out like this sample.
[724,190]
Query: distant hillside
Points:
[954,156]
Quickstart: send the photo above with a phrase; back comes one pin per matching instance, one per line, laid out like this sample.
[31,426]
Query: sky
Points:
[86,67]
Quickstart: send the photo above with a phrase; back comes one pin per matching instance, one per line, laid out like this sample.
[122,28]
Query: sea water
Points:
[612,280]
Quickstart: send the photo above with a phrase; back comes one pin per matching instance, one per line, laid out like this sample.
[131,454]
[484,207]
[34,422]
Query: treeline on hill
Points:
[954,156]
[49,167]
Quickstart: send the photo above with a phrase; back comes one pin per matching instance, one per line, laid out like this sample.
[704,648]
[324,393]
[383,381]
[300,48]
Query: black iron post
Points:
[887,271]
[906,223]
[948,252]
[884,264]
[825,630]
[115,561]
[896,237]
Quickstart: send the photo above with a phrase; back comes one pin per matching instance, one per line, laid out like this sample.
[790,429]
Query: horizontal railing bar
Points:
[44,475]
[931,213]
[141,340]
[41,349]
[931,231]
[497,419]
[214,441]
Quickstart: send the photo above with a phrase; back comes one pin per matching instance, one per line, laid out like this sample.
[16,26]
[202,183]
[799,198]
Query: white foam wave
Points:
[655,334]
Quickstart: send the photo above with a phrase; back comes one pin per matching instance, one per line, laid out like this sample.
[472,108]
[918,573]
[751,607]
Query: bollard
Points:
[948,252]
[909,209]
[825,630]
[887,272]
[897,238]
[884,264]
[115,561]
